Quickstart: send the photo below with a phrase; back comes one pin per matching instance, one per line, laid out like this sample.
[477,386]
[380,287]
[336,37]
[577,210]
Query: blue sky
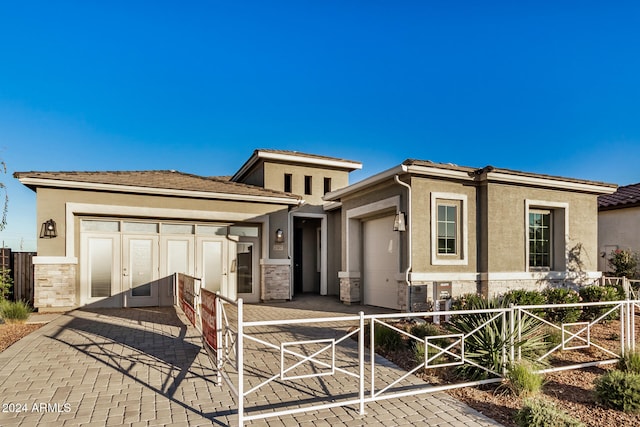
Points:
[546,87]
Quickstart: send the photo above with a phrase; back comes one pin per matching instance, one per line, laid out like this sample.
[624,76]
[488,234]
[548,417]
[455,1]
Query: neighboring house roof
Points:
[625,197]
[295,157]
[466,173]
[161,182]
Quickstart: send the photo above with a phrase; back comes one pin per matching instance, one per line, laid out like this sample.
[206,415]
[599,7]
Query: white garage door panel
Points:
[380,263]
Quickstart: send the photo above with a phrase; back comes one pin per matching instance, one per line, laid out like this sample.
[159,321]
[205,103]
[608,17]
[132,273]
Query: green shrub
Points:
[523,297]
[630,362]
[6,282]
[387,338]
[14,311]
[485,346]
[624,263]
[619,390]
[428,330]
[467,302]
[595,293]
[523,381]
[539,413]
[562,296]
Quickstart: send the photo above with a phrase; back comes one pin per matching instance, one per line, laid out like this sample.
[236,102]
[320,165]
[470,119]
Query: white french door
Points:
[216,265]
[100,274]
[140,270]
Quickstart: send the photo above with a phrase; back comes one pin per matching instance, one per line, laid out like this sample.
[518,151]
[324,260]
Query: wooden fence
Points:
[21,266]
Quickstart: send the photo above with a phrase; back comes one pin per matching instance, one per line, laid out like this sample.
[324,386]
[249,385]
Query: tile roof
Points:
[156,179]
[626,196]
[479,171]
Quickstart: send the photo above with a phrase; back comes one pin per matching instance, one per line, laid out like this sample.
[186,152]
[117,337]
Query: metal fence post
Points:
[361,339]
[240,362]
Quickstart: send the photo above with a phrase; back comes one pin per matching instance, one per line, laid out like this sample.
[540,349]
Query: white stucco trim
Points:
[73,209]
[442,277]
[550,182]
[353,227]
[544,204]
[49,260]
[464,218]
[273,261]
[539,275]
[293,158]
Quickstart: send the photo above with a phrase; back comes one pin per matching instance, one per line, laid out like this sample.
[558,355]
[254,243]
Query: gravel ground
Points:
[12,332]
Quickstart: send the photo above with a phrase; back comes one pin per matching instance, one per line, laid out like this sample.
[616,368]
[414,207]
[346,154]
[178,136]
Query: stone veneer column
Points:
[54,283]
[275,278]
[349,286]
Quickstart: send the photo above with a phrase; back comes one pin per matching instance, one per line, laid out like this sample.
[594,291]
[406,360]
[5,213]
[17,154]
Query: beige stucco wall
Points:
[422,189]
[618,227]
[51,203]
[274,179]
[506,225]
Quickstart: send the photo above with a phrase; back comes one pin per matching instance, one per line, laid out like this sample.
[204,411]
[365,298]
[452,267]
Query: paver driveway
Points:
[146,367]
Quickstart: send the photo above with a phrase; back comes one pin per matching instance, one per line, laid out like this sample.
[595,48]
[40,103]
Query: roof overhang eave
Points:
[41,182]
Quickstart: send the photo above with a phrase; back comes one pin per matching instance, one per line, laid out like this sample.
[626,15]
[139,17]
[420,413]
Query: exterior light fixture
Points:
[279,236]
[399,223]
[48,229]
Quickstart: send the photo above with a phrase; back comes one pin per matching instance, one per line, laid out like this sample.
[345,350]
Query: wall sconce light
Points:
[399,223]
[279,236]
[48,229]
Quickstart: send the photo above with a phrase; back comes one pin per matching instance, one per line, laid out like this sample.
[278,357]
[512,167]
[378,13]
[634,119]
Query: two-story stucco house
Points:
[288,223]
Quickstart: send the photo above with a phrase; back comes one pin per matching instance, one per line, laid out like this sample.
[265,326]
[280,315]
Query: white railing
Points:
[334,347]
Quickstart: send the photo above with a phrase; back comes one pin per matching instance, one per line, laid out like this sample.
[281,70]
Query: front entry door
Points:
[140,270]
[217,265]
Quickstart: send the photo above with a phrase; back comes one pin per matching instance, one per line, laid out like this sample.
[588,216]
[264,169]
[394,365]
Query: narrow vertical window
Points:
[287,183]
[447,225]
[307,184]
[327,185]
[540,239]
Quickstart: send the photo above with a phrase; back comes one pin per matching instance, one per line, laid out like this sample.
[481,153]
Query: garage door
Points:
[380,260]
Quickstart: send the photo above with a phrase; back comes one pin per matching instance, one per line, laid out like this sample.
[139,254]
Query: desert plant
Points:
[14,311]
[523,381]
[487,337]
[428,330]
[619,390]
[467,302]
[629,361]
[387,338]
[540,413]
[595,293]
[562,296]
[624,263]
[523,297]
[6,281]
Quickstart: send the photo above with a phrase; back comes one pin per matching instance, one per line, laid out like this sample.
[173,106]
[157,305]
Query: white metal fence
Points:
[258,359]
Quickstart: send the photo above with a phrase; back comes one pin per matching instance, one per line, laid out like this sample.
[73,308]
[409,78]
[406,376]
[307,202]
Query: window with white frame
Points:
[447,225]
[540,239]
[449,237]
[547,228]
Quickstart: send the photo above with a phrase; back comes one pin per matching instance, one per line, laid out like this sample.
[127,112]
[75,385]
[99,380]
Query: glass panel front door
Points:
[140,271]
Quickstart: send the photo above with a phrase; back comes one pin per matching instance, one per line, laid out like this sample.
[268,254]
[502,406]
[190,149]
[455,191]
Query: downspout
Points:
[410,249]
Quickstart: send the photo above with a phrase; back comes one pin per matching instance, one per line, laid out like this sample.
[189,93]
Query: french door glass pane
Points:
[177,256]
[245,268]
[141,267]
[212,274]
[100,260]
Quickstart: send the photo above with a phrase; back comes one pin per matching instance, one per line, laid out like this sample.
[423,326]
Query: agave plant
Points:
[488,339]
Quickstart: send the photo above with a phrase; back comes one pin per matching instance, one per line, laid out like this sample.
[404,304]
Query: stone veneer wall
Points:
[349,288]
[499,287]
[276,282]
[55,286]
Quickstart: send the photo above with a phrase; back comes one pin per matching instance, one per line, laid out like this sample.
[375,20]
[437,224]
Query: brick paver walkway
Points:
[146,367]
